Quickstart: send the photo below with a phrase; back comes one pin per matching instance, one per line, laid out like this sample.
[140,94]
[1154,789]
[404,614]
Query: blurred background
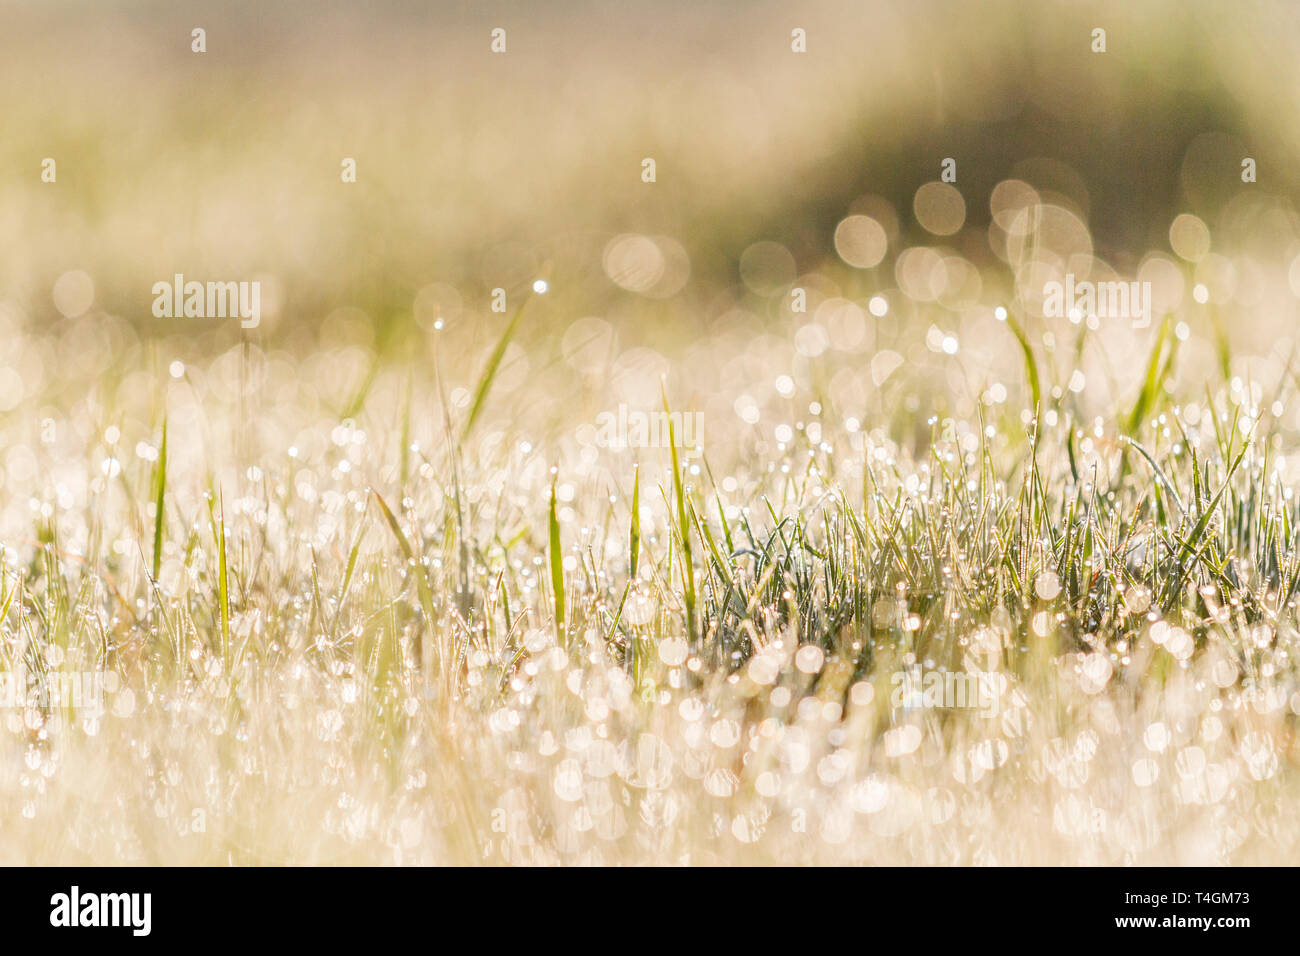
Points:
[775,170]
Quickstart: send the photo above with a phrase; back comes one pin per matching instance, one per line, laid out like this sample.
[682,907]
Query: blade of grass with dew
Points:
[1190,544]
[493,365]
[160,492]
[684,526]
[217,519]
[1160,475]
[1031,366]
[557,569]
[634,557]
[353,552]
[1158,365]
[417,566]
[634,530]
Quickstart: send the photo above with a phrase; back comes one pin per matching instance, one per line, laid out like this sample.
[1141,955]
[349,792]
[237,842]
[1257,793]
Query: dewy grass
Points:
[159,502]
[556,558]
[805,693]
[960,572]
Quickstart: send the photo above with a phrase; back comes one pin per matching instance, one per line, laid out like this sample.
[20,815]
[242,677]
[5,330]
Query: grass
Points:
[721,674]
[947,581]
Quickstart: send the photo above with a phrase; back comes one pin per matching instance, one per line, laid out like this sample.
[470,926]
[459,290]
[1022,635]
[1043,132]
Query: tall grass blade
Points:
[557,568]
[159,497]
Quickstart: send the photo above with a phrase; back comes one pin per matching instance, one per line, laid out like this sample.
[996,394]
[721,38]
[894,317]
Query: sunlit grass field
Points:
[763,516]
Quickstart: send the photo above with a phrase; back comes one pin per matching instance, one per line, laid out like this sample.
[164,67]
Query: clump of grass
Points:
[1014,631]
[772,699]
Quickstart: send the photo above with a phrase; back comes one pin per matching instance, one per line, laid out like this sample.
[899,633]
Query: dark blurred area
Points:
[475,168]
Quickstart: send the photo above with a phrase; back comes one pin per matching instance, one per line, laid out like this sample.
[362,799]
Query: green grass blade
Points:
[684,527]
[493,365]
[217,518]
[160,492]
[557,569]
[1031,366]
[634,532]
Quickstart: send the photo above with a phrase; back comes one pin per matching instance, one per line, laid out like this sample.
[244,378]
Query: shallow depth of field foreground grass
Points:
[924,571]
[472,650]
